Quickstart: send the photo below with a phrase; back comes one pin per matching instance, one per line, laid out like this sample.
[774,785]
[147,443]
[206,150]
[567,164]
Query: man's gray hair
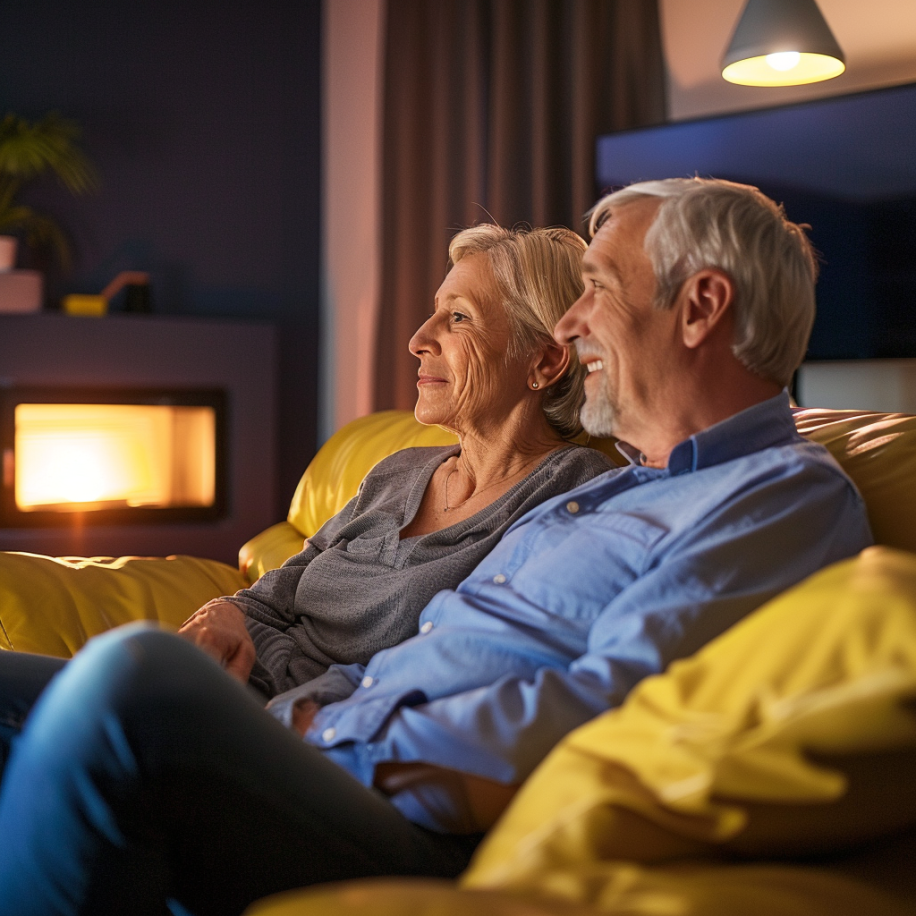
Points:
[740,231]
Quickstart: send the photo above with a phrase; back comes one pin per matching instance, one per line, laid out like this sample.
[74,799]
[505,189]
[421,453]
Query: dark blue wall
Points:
[203,119]
[846,165]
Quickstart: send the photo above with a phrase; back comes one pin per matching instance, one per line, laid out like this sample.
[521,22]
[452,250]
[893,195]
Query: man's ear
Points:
[550,364]
[707,298]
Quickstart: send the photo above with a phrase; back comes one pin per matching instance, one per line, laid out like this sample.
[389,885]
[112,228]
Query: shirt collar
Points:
[765,424]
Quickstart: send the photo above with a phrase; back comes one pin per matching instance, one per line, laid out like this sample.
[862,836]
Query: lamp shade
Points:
[782,43]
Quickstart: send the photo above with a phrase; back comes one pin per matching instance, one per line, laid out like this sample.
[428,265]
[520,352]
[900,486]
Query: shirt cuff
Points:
[336,684]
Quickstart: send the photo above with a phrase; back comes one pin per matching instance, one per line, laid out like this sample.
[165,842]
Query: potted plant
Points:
[29,149]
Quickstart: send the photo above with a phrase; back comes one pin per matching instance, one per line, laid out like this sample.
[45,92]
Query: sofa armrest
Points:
[269,550]
[53,606]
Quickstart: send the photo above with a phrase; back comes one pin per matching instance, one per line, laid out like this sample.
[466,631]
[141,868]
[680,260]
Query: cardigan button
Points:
[572,506]
[328,734]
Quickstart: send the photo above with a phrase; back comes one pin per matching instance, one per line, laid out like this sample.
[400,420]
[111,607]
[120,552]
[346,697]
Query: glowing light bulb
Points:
[784,60]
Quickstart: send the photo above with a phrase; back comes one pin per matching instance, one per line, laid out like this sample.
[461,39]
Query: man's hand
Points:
[219,629]
[486,798]
[303,714]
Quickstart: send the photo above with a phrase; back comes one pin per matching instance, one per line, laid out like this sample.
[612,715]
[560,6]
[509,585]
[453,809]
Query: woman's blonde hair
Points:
[538,274]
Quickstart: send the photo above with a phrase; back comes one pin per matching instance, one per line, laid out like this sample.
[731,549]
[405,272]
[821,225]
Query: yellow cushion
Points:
[52,606]
[878,451]
[790,733]
[611,889]
[335,473]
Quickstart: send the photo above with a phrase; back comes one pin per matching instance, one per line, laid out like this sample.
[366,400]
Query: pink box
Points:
[20,291]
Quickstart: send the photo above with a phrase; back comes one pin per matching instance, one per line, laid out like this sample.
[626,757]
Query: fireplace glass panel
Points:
[75,457]
[120,458]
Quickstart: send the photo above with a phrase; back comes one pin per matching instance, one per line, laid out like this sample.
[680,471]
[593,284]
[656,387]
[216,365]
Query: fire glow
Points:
[79,457]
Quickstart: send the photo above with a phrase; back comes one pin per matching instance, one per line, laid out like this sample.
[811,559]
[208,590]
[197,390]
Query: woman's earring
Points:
[535,385]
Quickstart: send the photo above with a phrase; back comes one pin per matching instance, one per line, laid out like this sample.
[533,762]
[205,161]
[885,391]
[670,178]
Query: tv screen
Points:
[844,165]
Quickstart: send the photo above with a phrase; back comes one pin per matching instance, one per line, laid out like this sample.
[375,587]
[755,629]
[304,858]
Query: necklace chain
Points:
[454,470]
[449,508]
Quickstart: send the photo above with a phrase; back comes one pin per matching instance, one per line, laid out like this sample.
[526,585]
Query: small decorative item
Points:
[85,305]
[29,149]
[137,298]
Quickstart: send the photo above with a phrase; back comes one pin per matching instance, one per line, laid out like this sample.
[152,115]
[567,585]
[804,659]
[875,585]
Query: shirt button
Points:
[367,681]
[426,627]
[499,579]
[328,734]
[573,506]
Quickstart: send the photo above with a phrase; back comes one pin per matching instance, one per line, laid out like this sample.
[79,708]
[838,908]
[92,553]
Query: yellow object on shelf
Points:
[79,304]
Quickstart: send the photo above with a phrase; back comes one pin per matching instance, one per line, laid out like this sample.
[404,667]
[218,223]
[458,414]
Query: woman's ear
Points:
[707,298]
[549,365]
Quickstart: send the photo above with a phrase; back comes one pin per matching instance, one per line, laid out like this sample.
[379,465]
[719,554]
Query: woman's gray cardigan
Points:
[357,587]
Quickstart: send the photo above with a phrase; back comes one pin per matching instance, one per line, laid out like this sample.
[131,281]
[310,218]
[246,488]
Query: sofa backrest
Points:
[336,472]
[877,450]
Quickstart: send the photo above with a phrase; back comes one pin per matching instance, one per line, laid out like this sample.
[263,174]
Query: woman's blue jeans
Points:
[144,775]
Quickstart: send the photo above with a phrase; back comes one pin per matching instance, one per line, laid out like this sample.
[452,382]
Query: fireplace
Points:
[112,456]
[195,396]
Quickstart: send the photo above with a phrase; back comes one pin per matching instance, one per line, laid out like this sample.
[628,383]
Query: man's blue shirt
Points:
[585,596]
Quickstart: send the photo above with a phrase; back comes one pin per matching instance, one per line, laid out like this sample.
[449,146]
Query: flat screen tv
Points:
[846,166]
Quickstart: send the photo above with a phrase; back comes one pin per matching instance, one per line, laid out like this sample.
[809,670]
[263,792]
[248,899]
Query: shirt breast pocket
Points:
[575,570]
[365,547]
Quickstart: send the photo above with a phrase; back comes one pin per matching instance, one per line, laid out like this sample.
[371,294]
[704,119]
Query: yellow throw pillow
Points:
[792,732]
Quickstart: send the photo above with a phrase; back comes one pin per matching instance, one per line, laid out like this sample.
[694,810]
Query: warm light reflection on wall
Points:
[75,457]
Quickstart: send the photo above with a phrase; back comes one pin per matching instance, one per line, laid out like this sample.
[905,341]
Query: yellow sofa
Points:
[791,736]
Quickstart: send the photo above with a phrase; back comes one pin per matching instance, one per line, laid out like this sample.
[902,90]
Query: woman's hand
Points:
[219,629]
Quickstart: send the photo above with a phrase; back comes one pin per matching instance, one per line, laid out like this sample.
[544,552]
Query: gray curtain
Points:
[491,112]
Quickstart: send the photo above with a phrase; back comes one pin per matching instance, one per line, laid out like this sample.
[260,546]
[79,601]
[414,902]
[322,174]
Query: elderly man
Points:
[145,774]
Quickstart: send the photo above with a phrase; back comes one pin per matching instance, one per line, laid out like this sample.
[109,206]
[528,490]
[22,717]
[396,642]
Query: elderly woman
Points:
[423,518]
[490,371]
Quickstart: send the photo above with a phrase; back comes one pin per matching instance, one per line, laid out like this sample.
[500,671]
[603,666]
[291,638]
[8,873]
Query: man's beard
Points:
[599,413]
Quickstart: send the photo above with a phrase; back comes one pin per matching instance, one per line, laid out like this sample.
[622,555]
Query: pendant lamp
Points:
[782,43]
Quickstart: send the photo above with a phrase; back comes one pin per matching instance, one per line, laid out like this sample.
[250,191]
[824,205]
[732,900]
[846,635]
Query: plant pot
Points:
[8,246]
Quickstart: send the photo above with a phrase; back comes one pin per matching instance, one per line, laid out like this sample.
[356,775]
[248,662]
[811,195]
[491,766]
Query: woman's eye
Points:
[458,316]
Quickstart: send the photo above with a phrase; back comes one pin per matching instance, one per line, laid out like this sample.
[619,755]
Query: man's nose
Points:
[572,324]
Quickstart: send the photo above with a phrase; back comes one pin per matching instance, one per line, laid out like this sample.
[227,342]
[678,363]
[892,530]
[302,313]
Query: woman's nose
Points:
[424,340]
